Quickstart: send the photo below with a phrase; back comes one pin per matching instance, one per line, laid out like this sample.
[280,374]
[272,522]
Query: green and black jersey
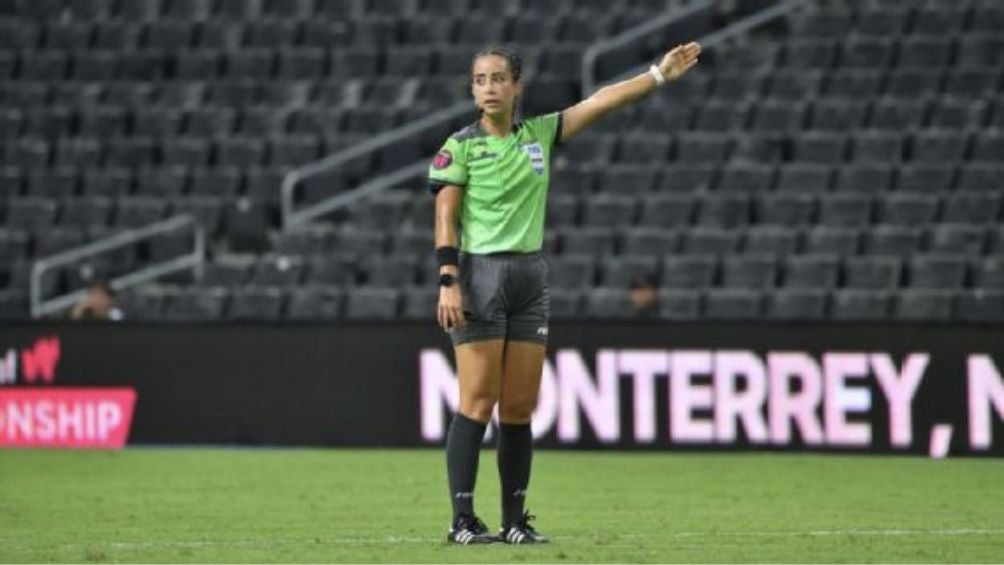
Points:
[505,182]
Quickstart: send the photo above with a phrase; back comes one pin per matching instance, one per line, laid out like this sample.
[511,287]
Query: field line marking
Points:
[424,539]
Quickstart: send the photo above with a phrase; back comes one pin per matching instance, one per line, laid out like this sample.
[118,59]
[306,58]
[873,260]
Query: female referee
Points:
[490,180]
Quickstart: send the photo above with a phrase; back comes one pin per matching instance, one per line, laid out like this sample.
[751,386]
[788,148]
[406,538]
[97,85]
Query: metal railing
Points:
[751,22]
[293,179]
[695,19]
[699,13]
[193,260]
[588,77]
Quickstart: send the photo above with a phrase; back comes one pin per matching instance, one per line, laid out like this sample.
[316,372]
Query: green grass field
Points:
[234,505]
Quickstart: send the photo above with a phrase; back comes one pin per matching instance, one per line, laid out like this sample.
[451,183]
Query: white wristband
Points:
[657,75]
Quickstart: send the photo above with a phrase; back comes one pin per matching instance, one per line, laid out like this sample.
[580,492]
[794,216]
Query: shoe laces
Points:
[524,523]
[471,523]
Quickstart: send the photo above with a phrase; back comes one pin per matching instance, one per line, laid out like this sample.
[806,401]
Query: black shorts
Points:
[505,296]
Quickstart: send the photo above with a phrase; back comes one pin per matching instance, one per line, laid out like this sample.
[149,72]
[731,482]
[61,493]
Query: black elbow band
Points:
[447,256]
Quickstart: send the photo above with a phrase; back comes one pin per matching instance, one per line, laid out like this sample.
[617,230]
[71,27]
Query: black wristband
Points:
[447,256]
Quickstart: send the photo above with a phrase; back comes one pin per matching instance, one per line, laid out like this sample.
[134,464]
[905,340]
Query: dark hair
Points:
[514,60]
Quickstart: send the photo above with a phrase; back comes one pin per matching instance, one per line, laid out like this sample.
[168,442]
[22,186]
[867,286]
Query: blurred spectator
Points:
[97,304]
[644,297]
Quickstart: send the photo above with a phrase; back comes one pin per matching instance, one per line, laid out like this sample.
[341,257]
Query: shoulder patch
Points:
[442,159]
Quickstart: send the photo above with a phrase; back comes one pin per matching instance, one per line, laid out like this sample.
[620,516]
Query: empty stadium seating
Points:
[849,166]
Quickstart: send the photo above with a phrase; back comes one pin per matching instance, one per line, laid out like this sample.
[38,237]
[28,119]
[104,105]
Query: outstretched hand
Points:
[679,60]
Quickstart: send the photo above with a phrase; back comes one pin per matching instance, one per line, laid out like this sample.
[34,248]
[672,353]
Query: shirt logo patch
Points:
[536,154]
[442,160]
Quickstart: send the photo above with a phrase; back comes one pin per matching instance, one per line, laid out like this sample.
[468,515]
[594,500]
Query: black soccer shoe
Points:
[469,530]
[522,532]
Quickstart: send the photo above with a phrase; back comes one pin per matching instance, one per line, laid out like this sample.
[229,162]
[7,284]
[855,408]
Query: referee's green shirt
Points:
[504,180]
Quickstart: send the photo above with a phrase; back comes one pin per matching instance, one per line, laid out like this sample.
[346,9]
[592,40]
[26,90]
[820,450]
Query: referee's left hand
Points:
[679,60]
[450,312]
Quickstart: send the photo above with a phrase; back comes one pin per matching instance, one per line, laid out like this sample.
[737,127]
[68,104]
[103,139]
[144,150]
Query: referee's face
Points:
[493,86]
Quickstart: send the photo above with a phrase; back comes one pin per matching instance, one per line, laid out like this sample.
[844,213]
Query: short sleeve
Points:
[449,166]
[548,128]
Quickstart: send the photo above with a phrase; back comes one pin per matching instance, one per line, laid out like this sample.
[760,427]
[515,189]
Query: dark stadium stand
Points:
[849,165]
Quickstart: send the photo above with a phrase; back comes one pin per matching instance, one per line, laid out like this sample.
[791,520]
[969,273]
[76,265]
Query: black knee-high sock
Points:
[514,458]
[463,447]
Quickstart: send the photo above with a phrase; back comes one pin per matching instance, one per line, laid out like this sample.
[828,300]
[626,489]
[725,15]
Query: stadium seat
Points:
[808,53]
[854,83]
[135,211]
[907,83]
[845,210]
[676,304]
[166,182]
[587,240]
[392,271]
[621,271]
[641,148]
[988,273]
[724,210]
[646,240]
[732,304]
[892,240]
[571,271]
[609,210]
[279,271]
[701,147]
[925,178]
[688,271]
[256,303]
[685,177]
[370,303]
[608,303]
[872,273]
[798,177]
[963,239]
[982,177]
[216,181]
[785,209]
[958,114]
[969,83]
[784,304]
[938,146]
[82,213]
[936,272]
[877,146]
[923,305]
[816,147]
[315,302]
[770,240]
[836,240]
[54,240]
[897,114]
[201,304]
[807,272]
[908,209]
[848,304]
[746,178]
[709,240]
[981,305]
[748,272]
[864,177]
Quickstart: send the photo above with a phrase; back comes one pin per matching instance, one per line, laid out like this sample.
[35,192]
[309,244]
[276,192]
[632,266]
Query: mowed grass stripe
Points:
[227,505]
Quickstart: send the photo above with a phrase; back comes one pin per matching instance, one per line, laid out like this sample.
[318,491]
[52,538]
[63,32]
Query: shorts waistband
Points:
[506,255]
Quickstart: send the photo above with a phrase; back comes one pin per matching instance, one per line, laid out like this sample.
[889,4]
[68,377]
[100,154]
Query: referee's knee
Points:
[519,413]
[478,408]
